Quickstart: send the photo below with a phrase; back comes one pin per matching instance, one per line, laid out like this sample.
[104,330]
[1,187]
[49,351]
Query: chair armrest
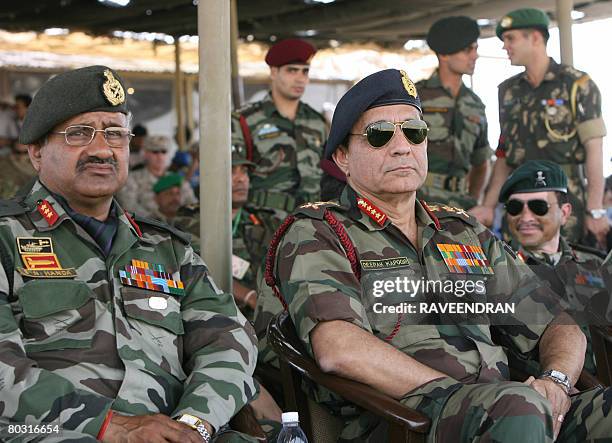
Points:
[282,337]
[244,421]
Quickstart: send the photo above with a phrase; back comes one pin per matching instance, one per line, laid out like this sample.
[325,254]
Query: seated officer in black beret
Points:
[458,151]
[346,271]
[537,208]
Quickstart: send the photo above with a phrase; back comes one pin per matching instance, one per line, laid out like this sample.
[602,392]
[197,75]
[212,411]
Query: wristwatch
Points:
[597,213]
[195,423]
[558,377]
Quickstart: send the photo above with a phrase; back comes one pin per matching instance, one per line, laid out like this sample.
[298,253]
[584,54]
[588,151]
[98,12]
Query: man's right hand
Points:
[157,428]
[484,214]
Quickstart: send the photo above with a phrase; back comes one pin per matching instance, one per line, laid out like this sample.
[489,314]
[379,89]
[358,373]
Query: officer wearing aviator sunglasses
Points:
[537,208]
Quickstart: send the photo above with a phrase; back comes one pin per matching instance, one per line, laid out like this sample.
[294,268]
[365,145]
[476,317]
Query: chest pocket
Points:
[57,315]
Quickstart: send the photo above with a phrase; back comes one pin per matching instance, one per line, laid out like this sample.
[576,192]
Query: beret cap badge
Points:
[506,22]
[408,85]
[113,91]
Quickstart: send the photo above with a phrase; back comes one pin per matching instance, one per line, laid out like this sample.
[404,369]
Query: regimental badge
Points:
[113,91]
[506,22]
[408,85]
[141,274]
[371,211]
[39,260]
[465,259]
[540,180]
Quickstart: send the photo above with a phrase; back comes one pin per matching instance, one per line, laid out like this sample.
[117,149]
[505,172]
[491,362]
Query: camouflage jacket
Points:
[137,195]
[287,153]
[539,123]
[81,333]
[576,278]
[317,281]
[250,237]
[16,172]
[457,137]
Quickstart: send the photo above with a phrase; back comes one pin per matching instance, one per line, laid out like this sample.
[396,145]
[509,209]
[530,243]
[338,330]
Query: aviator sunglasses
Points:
[379,133]
[538,207]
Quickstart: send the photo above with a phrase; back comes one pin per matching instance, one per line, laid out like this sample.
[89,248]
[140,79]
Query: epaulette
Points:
[247,109]
[445,211]
[183,236]
[574,73]
[315,209]
[589,250]
[12,207]
[189,210]
[314,111]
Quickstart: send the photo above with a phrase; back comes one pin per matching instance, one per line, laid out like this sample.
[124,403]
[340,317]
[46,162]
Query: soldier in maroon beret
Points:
[282,135]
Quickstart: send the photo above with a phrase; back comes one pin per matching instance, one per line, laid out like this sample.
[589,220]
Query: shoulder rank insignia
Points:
[449,211]
[39,260]
[315,209]
[465,259]
[46,210]
[368,208]
[141,274]
[113,91]
[408,85]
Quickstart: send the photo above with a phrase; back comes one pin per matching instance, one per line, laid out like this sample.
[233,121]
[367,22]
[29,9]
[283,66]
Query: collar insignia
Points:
[465,259]
[113,91]
[46,210]
[408,85]
[154,277]
[371,211]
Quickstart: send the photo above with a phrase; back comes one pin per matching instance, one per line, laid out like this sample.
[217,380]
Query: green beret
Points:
[94,88]
[452,34]
[523,18]
[534,176]
[239,157]
[167,181]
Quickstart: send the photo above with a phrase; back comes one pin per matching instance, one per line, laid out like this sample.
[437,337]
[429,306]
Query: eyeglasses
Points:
[82,135]
[538,207]
[379,133]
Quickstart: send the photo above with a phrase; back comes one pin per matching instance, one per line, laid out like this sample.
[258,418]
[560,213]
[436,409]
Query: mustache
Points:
[95,160]
[520,225]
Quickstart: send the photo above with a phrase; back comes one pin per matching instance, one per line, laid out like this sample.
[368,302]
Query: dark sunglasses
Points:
[378,134]
[538,207]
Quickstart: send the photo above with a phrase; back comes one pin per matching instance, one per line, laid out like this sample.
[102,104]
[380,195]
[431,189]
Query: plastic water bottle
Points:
[291,433]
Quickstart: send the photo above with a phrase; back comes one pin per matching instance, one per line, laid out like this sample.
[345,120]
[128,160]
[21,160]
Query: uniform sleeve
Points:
[316,279]
[500,152]
[482,151]
[219,348]
[30,393]
[590,123]
[513,282]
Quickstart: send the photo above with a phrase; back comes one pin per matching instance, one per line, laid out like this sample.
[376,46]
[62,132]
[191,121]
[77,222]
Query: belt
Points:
[446,182]
[272,199]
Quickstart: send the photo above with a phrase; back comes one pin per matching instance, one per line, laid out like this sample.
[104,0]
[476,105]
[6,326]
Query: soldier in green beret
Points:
[458,151]
[167,192]
[281,134]
[549,112]
[111,328]
[537,206]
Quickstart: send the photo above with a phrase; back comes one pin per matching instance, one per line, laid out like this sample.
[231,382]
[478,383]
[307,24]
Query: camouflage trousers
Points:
[508,412]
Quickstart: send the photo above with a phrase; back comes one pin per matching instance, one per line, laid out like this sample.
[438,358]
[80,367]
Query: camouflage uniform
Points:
[17,171]
[317,282]
[287,153]
[524,113]
[575,275]
[457,140]
[137,195]
[73,348]
[250,240]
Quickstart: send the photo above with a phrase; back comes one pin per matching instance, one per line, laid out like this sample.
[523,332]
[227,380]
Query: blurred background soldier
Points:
[549,112]
[458,151]
[167,192]
[282,135]
[536,202]
[136,146]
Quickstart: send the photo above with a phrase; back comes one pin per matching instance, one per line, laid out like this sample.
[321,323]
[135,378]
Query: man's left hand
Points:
[556,395]
[599,227]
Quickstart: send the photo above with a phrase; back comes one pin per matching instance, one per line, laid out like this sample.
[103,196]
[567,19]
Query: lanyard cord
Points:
[236,222]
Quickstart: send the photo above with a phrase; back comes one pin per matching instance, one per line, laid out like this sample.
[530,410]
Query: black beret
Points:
[94,88]
[292,50]
[383,88]
[452,34]
[523,18]
[534,176]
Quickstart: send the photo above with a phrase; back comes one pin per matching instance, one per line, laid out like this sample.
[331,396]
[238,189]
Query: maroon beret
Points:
[292,50]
